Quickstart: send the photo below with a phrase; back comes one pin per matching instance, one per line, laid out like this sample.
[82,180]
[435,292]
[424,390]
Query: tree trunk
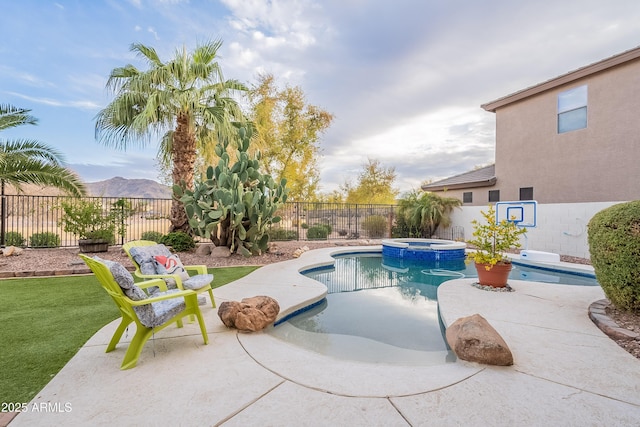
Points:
[183,154]
[221,236]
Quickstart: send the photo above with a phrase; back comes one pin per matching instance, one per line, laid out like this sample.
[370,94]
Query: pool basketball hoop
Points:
[522,213]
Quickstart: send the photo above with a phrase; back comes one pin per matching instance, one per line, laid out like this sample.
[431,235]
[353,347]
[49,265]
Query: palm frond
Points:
[147,53]
[31,149]
[11,116]
[28,170]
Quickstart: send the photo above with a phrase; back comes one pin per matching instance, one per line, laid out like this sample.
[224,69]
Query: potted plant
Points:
[492,240]
[94,226]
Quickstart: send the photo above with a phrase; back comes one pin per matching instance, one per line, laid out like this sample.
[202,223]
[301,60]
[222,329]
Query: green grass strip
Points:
[45,321]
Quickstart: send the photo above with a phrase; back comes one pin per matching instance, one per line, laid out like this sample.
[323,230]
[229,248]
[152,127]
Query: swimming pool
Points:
[384,310]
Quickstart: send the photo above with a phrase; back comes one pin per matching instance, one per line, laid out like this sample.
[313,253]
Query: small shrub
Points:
[102,235]
[317,232]
[154,236]
[402,229]
[614,245]
[282,234]
[88,218]
[375,226]
[179,241]
[304,225]
[13,238]
[342,232]
[44,240]
[328,227]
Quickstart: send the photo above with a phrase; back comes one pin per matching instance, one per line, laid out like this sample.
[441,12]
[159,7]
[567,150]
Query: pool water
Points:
[385,310]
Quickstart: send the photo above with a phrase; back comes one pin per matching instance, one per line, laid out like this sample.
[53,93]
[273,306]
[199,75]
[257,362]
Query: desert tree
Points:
[287,133]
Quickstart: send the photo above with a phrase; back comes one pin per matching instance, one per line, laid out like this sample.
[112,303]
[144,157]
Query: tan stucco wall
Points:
[597,164]
[480,195]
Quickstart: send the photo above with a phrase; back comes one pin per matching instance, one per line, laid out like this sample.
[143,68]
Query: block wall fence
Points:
[561,227]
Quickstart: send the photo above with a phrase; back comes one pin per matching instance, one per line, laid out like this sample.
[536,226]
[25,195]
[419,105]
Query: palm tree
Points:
[26,161]
[183,105]
[424,212]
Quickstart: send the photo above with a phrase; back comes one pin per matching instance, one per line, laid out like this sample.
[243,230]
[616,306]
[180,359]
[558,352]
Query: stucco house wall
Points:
[599,163]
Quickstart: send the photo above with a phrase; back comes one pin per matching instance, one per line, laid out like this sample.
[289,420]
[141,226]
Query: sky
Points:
[404,78]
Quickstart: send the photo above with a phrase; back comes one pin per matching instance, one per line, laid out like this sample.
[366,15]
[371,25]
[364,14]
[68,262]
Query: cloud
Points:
[81,104]
[428,147]
[153,31]
[273,36]
[136,3]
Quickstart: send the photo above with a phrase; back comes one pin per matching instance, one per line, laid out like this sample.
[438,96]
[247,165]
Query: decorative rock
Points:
[220,252]
[300,251]
[272,247]
[204,248]
[227,312]
[249,315]
[473,339]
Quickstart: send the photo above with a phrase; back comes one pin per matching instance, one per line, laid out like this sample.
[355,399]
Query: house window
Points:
[467,197]
[494,195]
[526,193]
[572,109]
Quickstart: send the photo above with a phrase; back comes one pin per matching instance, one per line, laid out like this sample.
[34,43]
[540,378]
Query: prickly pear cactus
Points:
[236,204]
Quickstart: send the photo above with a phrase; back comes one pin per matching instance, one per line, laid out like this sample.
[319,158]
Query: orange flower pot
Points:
[497,276]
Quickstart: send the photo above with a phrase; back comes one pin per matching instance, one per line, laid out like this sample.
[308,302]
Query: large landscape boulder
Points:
[204,248]
[249,315]
[220,252]
[473,339]
[12,251]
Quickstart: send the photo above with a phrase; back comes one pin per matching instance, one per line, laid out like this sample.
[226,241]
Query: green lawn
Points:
[45,321]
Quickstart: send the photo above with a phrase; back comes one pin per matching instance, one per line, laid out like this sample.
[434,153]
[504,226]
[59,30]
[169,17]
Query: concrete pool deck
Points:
[566,371]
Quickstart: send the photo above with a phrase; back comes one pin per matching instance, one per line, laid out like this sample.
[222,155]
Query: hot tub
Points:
[423,249]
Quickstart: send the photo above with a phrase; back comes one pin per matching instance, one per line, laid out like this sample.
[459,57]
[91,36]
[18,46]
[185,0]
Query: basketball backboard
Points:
[523,213]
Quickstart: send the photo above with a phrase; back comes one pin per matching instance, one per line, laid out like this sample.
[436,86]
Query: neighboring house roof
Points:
[569,77]
[483,177]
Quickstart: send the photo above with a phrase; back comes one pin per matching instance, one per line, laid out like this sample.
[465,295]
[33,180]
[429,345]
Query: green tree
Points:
[27,161]
[421,213]
[184,104]
[288,135]
[375,185]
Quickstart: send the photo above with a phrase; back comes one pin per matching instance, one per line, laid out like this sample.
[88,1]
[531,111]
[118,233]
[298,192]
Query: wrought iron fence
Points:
[34,221]
[30,220]
[455,232]
[317,221]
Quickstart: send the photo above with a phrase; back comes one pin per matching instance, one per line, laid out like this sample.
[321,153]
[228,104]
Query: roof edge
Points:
[460,186]
[569,77]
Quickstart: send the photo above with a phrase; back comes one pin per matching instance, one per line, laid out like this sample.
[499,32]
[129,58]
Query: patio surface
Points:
[566,371]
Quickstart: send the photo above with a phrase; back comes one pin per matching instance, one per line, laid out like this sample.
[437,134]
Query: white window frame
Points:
[572,109]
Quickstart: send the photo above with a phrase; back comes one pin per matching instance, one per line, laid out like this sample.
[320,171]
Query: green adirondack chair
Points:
[142,254]
[150,313]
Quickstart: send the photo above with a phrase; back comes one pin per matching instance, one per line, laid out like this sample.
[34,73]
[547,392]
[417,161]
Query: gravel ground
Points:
[67,258]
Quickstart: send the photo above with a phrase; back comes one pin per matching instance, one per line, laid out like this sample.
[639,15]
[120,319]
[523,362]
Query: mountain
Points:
[122,187]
